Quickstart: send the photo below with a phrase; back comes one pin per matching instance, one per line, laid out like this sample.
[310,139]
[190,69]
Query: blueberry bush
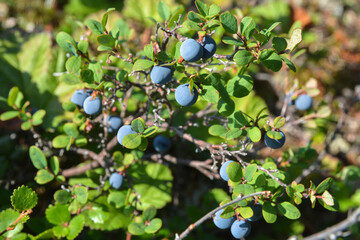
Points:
[163,120]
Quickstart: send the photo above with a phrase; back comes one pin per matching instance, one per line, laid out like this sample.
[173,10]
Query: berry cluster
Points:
[239,227]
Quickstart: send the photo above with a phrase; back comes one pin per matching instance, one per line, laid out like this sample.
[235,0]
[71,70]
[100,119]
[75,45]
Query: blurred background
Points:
[329,55]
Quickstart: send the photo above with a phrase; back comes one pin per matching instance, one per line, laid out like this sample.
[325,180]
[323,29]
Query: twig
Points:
[208,215]
[12,226]
[335,229]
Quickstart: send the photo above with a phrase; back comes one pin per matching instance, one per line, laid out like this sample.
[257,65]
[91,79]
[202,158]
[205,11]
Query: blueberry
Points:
[161,74]
[223,173]
[92,106]
[209,47]
[79,97]
[257,209]
[240,229]
[223,223]
[161,144]
[191,50]
[275,143]
[116,180]
[123,131]
[115,123]
[303,102]
[183,95]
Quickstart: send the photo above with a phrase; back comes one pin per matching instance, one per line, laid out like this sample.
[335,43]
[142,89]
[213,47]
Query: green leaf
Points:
[232,41]
[191,25]
[234,171]
[12,96]
[192,16]
[229,22]
[250,170]
[271,60]
[289,63]
[243,57]
[244,189]
[87,75]
[209,93]
[44,176]
[61,141]
[217,130]
[214,10]
[71,130]
[73,64]
[97,70]
[37,118]
[136,228]
[164,10]
[75,226]
[247,27]
[66,42]
[175,17]
[60,231]
[274,25]
[237,120]
[333,208]
[240,86]
[289,210]
[81,141]
[254,134]
[118,157]
[246,212]
[295,39]
[23,198]
[70,79]
[154,226]
[279,44]
[138,125]
[274,135]
[202,8]
[9,115]
[117,199]
[142,64]
[279,122]
[226,107]
[7,217]
[233,133]
[83,46]
[62,196]
[106,40]
[37,157]
[105,17]
[327,198]
[149,213]
[149,51]
[26,125]
[132,141]
[58,214]
[81,194]
[269,212]
[150,131]
[324,185]
[54,164]
[95,26]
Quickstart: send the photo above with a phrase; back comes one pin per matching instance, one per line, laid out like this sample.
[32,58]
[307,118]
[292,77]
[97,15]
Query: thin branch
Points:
[334,230]
[208,215]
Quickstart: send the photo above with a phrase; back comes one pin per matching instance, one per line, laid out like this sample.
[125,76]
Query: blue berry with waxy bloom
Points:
[161,74]
[257,209]
[184,97]
[161,144]
[191,50]
[123,131]
[275,143]
[240,229]
[209,47]
[79,96]
[116,180]
[223,173]
[303,102]
[114,123]
[92,106]
[222,223]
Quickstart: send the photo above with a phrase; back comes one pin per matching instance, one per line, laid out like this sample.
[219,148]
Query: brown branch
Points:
[12,226]
[334,230]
